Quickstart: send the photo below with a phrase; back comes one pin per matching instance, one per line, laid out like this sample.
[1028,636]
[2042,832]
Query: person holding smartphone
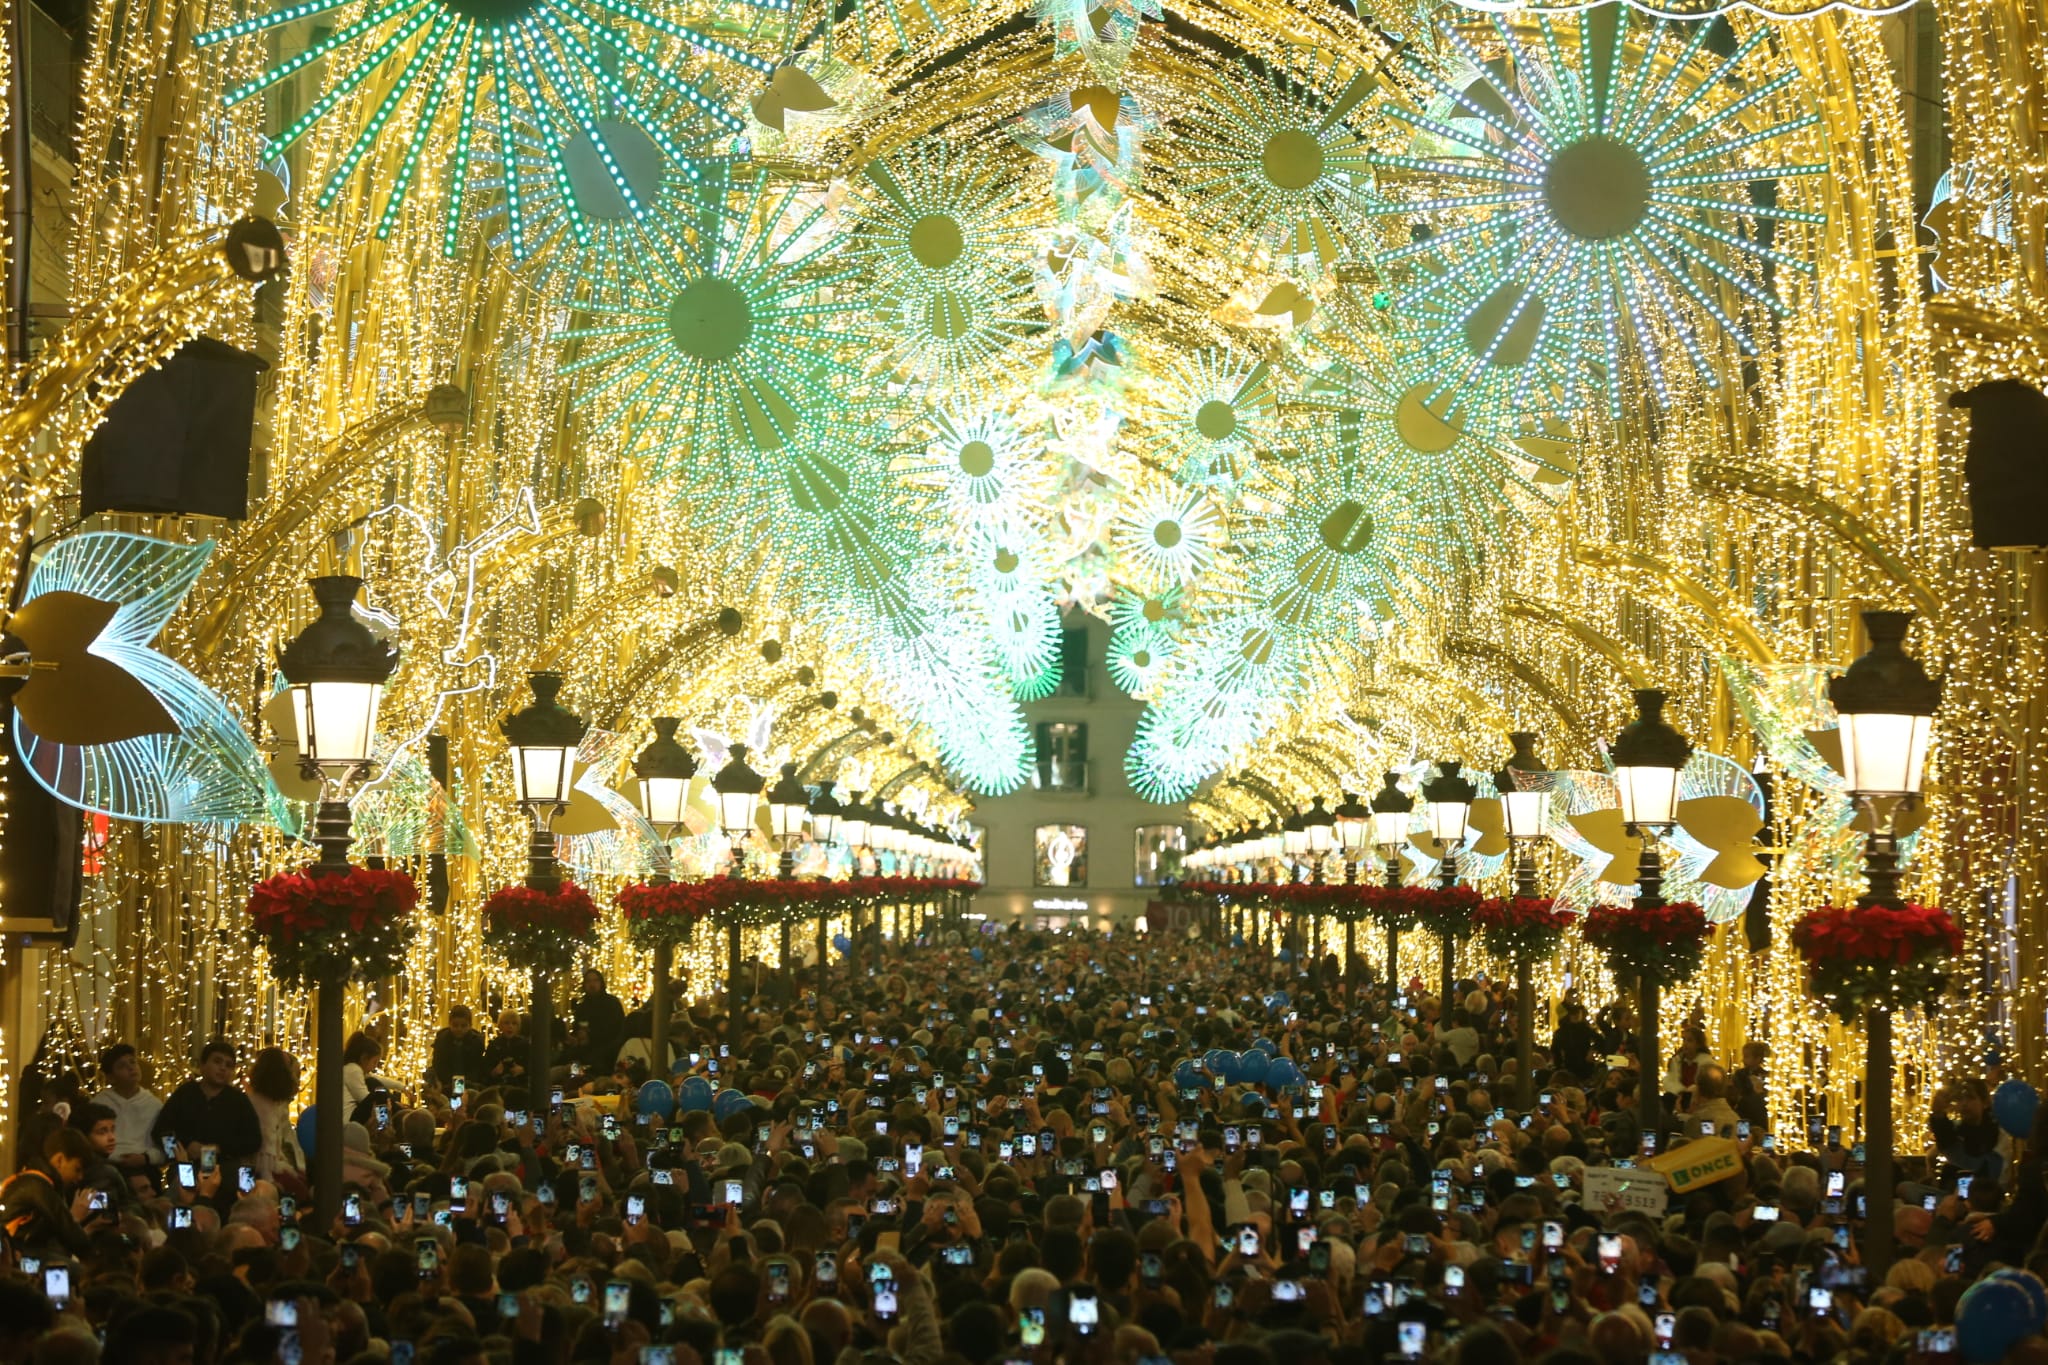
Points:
[46,1206]
[210,1110]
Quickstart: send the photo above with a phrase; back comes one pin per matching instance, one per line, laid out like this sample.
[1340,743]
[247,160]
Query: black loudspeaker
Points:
[39,850]
[177,441]
[2006,465]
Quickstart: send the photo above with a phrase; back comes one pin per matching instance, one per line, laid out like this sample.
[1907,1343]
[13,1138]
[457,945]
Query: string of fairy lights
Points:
[987,378]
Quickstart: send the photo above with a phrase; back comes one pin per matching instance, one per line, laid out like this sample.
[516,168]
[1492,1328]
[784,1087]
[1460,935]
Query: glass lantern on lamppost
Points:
[1322,833]
[854,825]
[789,813]
[543,738]
[336,670]
[1886,703]
[1524,787]
[1392,809]
[1352,822]
[738,790]
[661,781]
[1447,809]
[1294,843]
[1648,756]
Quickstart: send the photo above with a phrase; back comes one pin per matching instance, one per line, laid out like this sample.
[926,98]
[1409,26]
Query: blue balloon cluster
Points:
[1997,1313]
[2014,1106]
[656,1097]
[728,1103]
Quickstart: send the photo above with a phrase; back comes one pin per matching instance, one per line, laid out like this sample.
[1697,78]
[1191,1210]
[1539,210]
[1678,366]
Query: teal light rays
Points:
[1268,160]
[561,67]
[1093,25]
[1209,416]
[568,185]
[709,350]
[1609,183]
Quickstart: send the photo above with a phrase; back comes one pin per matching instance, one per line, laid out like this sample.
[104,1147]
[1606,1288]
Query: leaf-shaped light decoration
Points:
[791,90]
[1727,825]
[208,770]
[1486,828]
[73,695]
[1604,830]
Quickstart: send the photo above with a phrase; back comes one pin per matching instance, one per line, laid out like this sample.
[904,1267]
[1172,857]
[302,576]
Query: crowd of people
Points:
[993,1147]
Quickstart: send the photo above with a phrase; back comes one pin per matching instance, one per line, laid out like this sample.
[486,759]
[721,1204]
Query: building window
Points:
[1073,662]
[1060,856]
[1062,756]
[1158,853]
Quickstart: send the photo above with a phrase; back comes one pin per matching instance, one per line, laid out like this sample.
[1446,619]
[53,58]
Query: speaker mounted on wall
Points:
[177,442]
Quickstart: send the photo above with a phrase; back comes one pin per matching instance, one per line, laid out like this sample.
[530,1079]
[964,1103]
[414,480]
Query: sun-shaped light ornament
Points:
[1132,612]
[1455,464]
[1597,196]
[979,470]
[1328,542]
[1266,159]
[1208,416]
[1137,659]
[465,70]
[712,348]
[948,248]
[1166,535]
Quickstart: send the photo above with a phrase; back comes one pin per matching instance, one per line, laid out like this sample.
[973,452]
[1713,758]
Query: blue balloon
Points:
[1992,1317]
[1187,1075]
[309,1124]
[656,1097]
[977,954]
[695,1094]
[1267,1045]
[1217,1061]
[1282,1073]
[2036,1292]
[1287,954]
[842,943]
[2014,1106]
[1249,1067]
[1282,999]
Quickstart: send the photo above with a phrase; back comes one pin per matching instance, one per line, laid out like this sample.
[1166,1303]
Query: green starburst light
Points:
[551,65]
[1268,160]
[1208,416]
[1598,199]
[980,471]
[947,246]
[1455,465]
[1166,536]
[710,349]
[1137,659]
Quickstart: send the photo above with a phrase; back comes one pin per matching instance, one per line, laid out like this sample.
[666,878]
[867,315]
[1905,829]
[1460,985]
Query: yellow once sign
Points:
[1698,1164]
